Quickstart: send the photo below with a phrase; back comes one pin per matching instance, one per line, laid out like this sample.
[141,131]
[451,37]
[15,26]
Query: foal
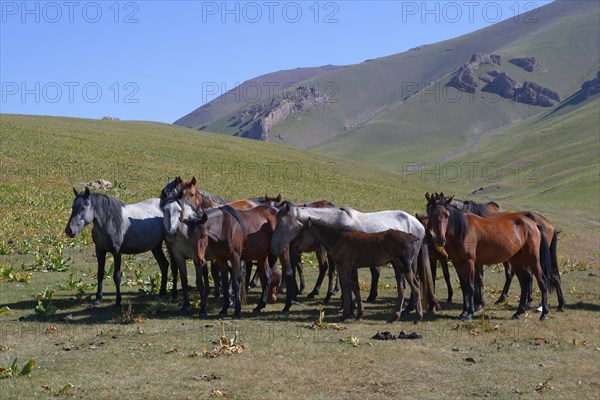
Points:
[352,249]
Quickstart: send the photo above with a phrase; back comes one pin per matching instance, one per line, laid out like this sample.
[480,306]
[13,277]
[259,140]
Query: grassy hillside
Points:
[42,157]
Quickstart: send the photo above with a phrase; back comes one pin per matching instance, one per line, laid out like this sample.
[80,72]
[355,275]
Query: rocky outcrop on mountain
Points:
[465,79]
[528,92]
[591,87]
[527,63]
[257,121]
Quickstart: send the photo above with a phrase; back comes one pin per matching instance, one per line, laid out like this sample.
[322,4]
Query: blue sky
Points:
[149,60]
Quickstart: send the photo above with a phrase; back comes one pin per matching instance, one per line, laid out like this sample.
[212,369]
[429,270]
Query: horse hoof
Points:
[326,300]
[449,300]
[236,317]
[528,305]
[311,295]
[286,310]
[466,317]
[371,299]
[256,312]
[516,316]
[223,314]
[96,303]
[560,309]
[543,317]
[117,304]
[203,315]
[499,301]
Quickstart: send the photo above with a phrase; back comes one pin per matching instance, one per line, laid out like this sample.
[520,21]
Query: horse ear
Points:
[427,197]
[203,218]
[87,192]
[449,200]
[179,180]
[309,222]
[417,216]
[287,207]
[193,181]
[75,191]
[278,199]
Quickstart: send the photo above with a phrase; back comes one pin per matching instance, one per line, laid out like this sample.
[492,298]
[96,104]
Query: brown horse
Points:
[436,255]
[491,208]
[256,229]
[351,250]
[472,241]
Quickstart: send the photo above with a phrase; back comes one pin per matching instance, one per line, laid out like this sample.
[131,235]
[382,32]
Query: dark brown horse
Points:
[351,250]
[472,241]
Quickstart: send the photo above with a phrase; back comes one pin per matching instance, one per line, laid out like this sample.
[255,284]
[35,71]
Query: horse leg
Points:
[400,294]
[470,282]
[215,272]
[525,281]
[288,261]
[101,257]
[265,271]
[414,284]
[479,300]
[529,303]
[200,274]
[375,273]
[223,271]
[174,272]
[323,267]
[117,276]
[444,262]
[334,281]
[463,287]
[300,269]
[205,278]
[345,275]
[184,285]
[236,279]
[537,272]
[163,264]
[508,275]
[254,282]
[360,309]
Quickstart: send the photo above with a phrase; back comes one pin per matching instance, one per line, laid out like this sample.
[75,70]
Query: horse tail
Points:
[545,260]
[424,270]
[555,278]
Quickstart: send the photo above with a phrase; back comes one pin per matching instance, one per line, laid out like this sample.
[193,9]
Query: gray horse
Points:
[120,228]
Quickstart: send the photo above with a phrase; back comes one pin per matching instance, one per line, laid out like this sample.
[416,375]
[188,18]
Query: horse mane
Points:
[227,209]
[475,208]
[458,222]
[212,197]
[107,211]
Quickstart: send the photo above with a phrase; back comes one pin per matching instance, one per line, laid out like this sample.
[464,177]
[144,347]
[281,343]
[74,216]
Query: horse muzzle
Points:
[69,232]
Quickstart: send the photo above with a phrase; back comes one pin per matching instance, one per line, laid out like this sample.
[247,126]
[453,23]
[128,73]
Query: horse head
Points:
[287,228]
[82,213]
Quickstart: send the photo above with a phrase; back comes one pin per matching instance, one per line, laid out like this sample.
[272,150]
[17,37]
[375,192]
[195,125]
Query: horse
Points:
[119,228]
[256,226]
[438,254]
[351,250]
[291,219]
[491,208]
[472,241]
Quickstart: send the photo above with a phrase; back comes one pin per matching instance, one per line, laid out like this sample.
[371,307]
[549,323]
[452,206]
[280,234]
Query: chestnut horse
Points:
[491,208]
[352,249]
[472,241]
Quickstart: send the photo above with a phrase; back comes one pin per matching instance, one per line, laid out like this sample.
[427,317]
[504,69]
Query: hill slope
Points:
[41,158]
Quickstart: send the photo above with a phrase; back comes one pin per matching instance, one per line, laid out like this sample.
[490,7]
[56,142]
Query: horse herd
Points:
[234,235]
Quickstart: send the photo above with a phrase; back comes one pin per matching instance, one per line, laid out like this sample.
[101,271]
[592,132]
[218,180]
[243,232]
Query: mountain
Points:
[393,108]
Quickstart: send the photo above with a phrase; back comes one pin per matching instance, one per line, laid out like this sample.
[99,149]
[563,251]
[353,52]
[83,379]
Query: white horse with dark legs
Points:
[291,220]
[119,228]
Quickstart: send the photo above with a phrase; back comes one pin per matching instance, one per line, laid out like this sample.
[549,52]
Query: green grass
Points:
[102,356]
